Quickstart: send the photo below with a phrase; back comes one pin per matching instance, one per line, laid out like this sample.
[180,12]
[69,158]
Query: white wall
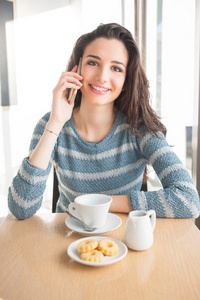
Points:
[177,81]
[26,8]
[178,70]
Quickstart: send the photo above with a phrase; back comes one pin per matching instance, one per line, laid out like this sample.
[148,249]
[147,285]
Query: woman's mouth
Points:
[98,90]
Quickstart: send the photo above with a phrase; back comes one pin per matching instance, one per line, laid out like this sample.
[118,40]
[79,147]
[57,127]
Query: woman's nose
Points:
[102,75]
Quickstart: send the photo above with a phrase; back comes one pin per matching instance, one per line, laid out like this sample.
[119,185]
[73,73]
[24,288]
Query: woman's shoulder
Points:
[46,117]
[41,124]
[120,125]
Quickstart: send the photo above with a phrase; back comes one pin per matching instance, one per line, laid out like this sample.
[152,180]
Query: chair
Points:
[56,191]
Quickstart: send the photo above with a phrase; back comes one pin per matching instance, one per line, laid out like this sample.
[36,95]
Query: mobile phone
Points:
[73,92]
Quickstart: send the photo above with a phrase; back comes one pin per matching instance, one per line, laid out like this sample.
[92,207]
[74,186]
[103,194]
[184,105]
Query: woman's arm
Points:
[41,155]
[179,197]
[26,191]
[27,188]
[61,112]
[120,204]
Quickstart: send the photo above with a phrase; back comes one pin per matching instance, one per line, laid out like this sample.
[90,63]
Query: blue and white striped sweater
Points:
[114,166]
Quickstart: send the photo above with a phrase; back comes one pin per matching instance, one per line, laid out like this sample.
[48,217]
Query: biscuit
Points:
[108,247]
[87,245]
[92,256]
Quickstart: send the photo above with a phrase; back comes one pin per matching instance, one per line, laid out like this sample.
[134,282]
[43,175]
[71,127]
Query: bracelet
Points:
[51,131]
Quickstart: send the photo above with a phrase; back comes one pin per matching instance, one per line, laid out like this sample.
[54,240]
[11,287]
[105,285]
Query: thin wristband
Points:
[51,131]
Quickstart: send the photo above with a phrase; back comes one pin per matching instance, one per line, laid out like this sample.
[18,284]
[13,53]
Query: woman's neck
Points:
[94,123]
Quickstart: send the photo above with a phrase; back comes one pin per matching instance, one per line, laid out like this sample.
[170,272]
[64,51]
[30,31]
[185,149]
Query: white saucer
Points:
[107,260]
[112,223]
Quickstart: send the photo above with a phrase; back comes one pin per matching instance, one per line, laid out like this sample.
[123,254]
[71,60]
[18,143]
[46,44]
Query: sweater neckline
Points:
[100,143]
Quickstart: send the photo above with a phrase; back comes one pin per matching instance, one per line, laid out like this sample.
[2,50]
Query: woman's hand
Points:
[61,109]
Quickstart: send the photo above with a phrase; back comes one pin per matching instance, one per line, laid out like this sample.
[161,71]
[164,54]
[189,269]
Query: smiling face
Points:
[104,65]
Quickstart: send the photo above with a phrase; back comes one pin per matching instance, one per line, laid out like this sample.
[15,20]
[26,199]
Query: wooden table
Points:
[34,263]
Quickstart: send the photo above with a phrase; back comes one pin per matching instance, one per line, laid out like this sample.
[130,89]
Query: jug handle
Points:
[152,214]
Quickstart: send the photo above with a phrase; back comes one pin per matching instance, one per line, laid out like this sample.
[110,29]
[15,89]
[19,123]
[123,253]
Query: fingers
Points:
[72,77]
[69,80]
[74,69]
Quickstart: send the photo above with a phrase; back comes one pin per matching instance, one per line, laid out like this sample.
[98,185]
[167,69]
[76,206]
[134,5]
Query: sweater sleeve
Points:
[26,191]
[179,197]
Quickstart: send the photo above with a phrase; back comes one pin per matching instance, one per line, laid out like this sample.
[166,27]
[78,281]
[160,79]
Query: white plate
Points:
[112,223]
[107,260]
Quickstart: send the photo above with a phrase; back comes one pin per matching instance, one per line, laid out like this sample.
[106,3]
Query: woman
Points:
[103,141]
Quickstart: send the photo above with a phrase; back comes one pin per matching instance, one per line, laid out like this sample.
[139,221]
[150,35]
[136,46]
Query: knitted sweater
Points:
[113,166]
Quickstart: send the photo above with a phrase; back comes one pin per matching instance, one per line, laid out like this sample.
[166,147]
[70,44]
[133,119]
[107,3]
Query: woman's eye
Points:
[92,63]
[117,69]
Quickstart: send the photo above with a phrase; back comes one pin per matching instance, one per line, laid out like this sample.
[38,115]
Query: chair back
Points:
[55,191]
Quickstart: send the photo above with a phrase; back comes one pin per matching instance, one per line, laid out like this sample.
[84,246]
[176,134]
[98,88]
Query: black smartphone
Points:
[73,92]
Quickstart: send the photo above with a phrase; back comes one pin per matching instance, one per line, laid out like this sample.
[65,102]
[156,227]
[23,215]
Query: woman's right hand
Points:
[61,109]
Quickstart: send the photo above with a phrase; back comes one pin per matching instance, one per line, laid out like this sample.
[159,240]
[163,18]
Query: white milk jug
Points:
[139,229]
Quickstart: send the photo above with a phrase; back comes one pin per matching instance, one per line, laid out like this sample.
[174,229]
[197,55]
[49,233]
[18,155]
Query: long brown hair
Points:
[133,101]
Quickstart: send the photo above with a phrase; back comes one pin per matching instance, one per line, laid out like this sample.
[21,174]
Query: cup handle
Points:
[151,213]
[73,209]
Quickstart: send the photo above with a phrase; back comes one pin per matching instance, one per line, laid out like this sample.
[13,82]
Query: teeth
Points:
[98,88]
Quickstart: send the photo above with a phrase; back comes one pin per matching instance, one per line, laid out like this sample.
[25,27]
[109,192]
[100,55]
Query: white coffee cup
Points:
[139,229]
[92,209]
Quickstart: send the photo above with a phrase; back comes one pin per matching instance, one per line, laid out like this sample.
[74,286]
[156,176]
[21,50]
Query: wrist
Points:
[54,127]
